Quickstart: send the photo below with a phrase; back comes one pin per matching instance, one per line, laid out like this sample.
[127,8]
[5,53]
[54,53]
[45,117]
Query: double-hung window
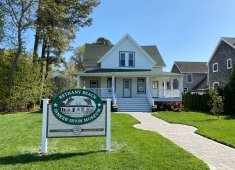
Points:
[215,67]
[122,59]
[127,59]
[189,78]
[229,63]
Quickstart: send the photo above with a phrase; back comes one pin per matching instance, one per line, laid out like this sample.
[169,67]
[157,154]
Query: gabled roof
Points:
[96,52]
[191,67]
[230,41]
[127,36]
[202,85]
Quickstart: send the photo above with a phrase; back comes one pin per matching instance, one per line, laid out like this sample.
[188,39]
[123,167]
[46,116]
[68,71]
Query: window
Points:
[122,59]
[109,84]
[185,90]
[229,63]
[93,84]
[215,67]
[140,85]
[126,59]
[189,78]
[175,84]
[168,85]
[215,84]
[155,84]
[131,60]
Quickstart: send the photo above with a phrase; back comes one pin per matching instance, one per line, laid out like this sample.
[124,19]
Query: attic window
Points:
[126,59]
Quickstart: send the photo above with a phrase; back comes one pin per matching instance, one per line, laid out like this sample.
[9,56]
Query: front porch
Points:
[164,87]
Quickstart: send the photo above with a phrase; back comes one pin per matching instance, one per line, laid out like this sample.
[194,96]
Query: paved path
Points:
[216,155]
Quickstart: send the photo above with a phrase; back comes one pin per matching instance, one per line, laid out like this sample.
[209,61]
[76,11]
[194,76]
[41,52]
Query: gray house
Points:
[221,63]
[195,75]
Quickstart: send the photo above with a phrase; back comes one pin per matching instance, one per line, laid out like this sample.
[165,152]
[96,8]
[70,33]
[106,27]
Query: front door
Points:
[126,88]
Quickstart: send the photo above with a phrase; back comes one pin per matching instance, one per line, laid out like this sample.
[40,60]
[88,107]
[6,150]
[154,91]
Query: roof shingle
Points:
[192,67]
[94,52]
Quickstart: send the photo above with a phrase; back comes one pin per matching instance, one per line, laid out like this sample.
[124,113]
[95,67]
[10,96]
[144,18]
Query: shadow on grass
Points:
[229,118]
[36,157]
[35,112]
[207,120]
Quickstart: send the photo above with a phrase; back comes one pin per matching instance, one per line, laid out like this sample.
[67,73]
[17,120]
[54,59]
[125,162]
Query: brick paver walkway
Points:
[216,155]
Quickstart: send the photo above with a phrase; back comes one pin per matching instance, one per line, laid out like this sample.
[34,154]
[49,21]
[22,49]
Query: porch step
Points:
[133,105]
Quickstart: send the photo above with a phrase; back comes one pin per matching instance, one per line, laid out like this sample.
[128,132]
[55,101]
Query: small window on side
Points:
[189,78]
[215,67]
[229,63]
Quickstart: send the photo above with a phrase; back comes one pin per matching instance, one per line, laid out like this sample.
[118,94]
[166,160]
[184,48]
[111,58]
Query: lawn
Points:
[222,130]
[132,148]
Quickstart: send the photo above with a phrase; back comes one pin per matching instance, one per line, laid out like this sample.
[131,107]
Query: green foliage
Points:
[232,86]
[103,41]
[26,84]
[77,58]
[216,102]
[196,102]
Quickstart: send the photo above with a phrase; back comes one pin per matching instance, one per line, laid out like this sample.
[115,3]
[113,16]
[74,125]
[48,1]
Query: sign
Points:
[76,113]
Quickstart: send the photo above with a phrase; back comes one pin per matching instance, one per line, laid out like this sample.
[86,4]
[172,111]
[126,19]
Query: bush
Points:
[26,85]
[154,108]
[169,106]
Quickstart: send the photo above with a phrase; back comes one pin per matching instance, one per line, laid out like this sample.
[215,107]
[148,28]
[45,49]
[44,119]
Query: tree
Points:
[77,58]
[25,93]
[19,17]
[56,26]
[216,102]
[103,41]
[1,24]
[57,23]
[232,86]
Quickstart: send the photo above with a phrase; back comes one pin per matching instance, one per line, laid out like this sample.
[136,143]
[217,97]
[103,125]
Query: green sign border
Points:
[55,107]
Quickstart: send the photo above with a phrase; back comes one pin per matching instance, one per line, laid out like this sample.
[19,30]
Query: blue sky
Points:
[183,30]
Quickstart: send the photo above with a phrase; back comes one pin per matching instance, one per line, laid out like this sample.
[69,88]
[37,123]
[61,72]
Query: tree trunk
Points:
[15,62]
[47,61]
[35,49]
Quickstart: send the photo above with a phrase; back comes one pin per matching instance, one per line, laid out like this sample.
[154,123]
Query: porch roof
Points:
[127,73]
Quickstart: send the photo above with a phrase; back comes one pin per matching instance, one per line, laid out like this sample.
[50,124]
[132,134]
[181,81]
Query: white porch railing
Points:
[165,93]
[104,93]
[150,97]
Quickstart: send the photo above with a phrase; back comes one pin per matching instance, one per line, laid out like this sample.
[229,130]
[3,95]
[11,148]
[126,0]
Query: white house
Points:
[77,106]
[130,74]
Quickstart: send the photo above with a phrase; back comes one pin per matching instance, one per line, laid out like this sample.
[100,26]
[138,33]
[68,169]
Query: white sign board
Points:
[57,128]
[76,113]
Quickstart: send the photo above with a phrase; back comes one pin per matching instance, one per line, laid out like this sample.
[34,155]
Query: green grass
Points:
[132,148]
[222,130]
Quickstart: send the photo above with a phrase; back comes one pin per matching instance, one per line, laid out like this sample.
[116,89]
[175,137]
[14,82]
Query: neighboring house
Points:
[221,63]
[195,75]
[129,74]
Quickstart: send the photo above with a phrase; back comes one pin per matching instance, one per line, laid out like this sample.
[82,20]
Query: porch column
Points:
[78,81]
[172,91]
[164,89]
[113,90]
[181,88]
[147,83]
[113,83]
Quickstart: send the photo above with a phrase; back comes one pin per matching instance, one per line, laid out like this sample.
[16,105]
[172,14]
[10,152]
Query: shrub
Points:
[169,106]
[154,108]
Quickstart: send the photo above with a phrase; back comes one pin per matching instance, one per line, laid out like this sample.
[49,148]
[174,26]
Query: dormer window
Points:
[127,59]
